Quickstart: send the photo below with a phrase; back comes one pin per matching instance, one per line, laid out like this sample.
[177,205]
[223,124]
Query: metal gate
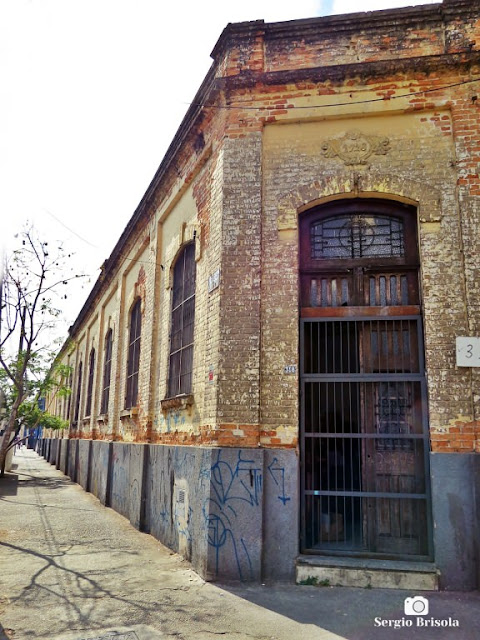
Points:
[365,445]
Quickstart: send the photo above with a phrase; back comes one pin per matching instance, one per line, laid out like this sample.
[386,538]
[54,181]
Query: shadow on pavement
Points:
[351,612]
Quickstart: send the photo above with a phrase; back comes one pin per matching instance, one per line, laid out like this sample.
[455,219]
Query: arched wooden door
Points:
[364,431]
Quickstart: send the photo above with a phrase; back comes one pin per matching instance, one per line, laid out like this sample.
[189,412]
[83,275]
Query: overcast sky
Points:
[92,93]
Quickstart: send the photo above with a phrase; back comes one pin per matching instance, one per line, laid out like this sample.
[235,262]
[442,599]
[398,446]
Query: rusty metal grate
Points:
[364,432]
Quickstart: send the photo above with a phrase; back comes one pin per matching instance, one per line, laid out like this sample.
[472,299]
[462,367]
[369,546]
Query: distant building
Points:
[265,373]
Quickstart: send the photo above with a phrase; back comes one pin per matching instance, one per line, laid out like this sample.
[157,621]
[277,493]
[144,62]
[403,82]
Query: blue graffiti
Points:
[241,483]
[226,481]
[278,474]
[183,531]
[219,536]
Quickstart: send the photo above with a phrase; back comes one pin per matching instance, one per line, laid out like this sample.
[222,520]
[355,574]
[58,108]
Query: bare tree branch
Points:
[27,313]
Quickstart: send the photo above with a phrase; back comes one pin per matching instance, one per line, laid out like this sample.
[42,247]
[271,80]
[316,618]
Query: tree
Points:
[32,286]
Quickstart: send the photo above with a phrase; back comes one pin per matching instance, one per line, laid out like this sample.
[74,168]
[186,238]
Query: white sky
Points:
[92,93]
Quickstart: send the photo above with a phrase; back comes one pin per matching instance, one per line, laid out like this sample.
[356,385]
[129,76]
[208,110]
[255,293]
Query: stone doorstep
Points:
[366,573]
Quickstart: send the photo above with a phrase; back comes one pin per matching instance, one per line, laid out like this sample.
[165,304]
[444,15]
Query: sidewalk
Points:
[72,569]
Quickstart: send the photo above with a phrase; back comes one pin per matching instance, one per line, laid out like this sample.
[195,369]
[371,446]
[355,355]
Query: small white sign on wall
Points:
[214,281]
[468,352]
[290,369]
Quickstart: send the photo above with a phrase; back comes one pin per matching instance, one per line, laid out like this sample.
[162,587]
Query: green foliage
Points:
[52,380]
[30,416]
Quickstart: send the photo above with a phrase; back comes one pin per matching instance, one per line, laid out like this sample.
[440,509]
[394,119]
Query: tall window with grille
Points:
[76,414]
[91,375]
[69,401]
[107,370]
[364,428]
[133,362]
[182,323]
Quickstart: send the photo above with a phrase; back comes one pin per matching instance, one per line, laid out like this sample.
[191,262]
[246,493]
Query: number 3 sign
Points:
[468,352]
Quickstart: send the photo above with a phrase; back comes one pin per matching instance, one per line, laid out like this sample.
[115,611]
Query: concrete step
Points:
[367,573]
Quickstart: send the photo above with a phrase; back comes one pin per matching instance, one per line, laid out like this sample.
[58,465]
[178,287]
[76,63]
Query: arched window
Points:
[69,402]
[107,369]
[360,252]
[359,235]
[182,323]
[91,375]
[133,363]
[79,392]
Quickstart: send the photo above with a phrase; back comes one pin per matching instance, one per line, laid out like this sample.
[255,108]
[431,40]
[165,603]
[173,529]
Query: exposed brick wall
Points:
[239,181]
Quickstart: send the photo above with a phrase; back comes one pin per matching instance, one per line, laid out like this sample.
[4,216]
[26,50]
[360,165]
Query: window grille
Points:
[69,402]
[182,323]
[133,364]
[91,373]
[79,391]
[107,369]
[361,235]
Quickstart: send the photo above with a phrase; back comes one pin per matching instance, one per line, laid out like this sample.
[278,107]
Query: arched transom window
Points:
[360,235]
[360,252]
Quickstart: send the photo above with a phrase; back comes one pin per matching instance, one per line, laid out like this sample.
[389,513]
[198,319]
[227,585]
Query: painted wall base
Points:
[456,519]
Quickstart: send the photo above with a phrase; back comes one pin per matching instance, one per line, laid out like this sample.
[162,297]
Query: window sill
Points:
[103,417]
[184,401]
[129,413]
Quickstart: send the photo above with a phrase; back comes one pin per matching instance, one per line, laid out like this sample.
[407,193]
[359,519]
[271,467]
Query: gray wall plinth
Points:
[234,513]
[72,462]
[100,468]
[281,525]
[136,478]
[63,458]
[207,504]
[127,481]
[84,450]
[120,483]
[59,448]
[52,453]
[455,504]
[177,485]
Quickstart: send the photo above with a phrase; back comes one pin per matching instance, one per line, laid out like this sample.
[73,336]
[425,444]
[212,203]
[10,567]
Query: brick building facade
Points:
[265,375]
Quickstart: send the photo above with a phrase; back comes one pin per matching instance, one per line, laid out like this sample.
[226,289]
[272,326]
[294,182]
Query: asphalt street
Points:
[72,569]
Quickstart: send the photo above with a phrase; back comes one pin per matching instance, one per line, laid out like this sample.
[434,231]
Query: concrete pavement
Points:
[72,569]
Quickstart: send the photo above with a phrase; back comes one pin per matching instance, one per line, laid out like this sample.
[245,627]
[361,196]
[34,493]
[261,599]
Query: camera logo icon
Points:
[416,606]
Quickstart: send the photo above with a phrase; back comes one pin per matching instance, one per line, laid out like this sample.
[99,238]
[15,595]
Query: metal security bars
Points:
[360,235]
[364,437]
[180,377]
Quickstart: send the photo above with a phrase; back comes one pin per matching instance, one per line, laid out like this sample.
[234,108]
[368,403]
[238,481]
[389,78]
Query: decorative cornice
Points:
[340,72]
